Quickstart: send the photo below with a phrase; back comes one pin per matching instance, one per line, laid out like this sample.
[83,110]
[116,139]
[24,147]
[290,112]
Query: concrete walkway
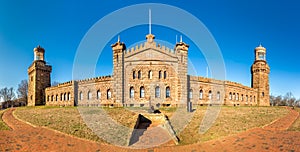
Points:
[272,137]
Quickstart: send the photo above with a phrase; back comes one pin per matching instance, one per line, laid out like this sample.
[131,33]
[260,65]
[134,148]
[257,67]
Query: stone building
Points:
[148,74]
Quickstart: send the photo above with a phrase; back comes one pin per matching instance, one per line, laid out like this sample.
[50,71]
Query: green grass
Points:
[231,120]
[64,119]
[296,124]
[3,126]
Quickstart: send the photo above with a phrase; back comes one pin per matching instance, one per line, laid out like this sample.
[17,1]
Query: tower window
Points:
[150,74]
[157,92]
[131,94]
[139,74]
[165,74]
[80,96]
[261,56]
[168,92]
[159,75]
[133,75]
[230,96]
[69,96]
[263,94]
[142,92]
[237,97]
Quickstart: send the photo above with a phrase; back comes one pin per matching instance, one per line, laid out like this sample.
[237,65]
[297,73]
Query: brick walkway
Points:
[273,137]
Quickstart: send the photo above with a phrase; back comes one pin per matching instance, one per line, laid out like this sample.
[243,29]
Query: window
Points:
[52,97]
[201,94]
[150,75]
[230,96]
[218,95]
[139,74]
[242,97]
[133,75]
[108,94]
[168,93]
[237,97]
[159,74]
[250,98]
[48,98]
[209,95]
[233,96]
[142,92]
[254,99]
[246,98]
[261,56]
[31,78]
[61,97]
[65,96]
[165,74]
[191,94]
[131,94]
[80,96]
[157,92]
[89,95]
[56,97]
[263,94]
[69,96]
[98,94]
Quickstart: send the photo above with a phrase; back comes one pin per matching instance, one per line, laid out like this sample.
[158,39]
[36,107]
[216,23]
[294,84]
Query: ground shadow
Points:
[140,127]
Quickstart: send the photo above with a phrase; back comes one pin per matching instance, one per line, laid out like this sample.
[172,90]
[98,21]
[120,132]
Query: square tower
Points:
[38,78]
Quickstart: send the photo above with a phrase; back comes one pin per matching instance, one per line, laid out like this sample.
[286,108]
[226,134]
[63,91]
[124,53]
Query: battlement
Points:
[206,80]
[95,79]
[147,45]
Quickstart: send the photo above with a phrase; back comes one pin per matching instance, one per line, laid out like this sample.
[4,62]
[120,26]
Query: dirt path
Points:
[272,137]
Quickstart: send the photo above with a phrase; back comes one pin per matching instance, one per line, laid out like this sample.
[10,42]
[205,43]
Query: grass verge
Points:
[296,125]
[3,126]
[231,120]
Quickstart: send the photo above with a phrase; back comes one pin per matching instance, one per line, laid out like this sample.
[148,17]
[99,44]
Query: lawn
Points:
[74,121]
[3,126]
[231,120]
[296,124]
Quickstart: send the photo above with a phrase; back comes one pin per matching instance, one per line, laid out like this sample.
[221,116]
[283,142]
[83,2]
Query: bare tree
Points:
[23,90]
[8,95]
[289,99]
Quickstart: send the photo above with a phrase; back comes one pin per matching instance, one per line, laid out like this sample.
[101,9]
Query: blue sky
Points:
[237,26]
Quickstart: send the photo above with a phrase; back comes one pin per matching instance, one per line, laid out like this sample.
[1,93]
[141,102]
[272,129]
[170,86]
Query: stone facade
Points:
[149,74]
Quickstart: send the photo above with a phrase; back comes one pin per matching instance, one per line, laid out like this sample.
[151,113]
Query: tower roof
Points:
[39,49]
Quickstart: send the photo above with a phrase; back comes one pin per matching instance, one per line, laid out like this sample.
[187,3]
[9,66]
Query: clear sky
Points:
[237,26]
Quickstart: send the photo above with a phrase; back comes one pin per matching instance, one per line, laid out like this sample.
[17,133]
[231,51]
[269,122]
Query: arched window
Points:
[139,74]
[65,96]
[263,94]
[250,98]
[80,96]
[98,94]
[61,97]
[165,74]
[133,75]
[52,98]
[131,94]
[242,97]
[237,97]
[157,92]
[108,94]
[159,74]
[230,96]
[168,93]
[201,94]
[254,99]
[150,75]
[218,95]
[142,92]
[48,98]
[89,95]
[69,96]
[233,96]
[56,97]
[209,95]
[191,94]
[246,98]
